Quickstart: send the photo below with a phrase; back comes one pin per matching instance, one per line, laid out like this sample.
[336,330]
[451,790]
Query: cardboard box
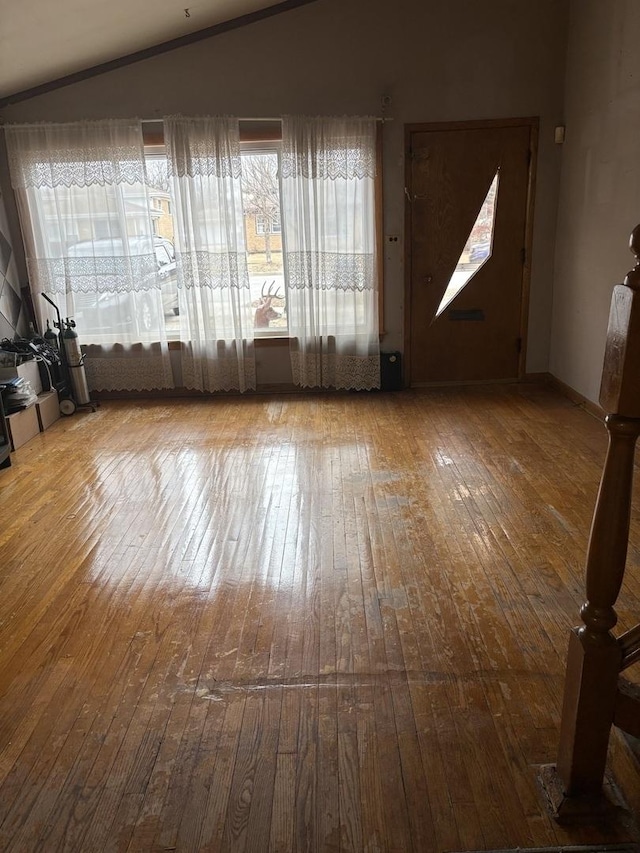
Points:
[29,371]
[48,409]
[23,426]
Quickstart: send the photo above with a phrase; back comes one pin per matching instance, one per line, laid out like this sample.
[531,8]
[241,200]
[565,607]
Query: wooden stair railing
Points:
[595,698]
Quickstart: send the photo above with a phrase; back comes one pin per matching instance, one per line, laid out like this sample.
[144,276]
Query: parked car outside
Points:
[136,313]
[166,257]
[479,252]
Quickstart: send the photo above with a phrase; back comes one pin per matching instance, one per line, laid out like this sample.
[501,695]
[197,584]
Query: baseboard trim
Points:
[568,392]
[176,393]
[288,388]
[537,377]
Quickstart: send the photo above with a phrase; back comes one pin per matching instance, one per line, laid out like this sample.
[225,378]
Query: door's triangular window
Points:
[477,250]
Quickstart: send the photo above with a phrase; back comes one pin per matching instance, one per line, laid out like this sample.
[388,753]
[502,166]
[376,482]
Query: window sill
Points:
[272,341]
[260,343]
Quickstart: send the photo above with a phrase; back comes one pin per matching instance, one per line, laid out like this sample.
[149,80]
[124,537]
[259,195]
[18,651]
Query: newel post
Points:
[595,656]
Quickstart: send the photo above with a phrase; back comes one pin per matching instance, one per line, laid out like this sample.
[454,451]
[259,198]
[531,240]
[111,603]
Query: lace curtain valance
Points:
[202,147]
[81,154]
[325,148]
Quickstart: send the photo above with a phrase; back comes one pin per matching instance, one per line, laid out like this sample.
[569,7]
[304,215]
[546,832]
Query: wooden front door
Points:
[468,200]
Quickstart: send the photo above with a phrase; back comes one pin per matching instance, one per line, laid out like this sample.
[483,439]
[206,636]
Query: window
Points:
[268,225]
[262,225]
[262,221]
[111,258]
[159,189]
[262,217]
[477,249]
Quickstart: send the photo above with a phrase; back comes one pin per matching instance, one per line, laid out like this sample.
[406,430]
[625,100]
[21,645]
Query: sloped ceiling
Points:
[44,40]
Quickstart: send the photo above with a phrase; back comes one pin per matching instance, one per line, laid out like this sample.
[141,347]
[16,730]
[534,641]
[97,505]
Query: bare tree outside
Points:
[157,173]
[260,192]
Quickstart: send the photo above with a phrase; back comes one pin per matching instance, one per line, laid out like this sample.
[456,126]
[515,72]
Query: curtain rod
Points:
[240,118]
[271,118]
[381,119]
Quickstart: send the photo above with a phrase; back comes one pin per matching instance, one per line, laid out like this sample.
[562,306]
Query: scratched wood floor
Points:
[325,623]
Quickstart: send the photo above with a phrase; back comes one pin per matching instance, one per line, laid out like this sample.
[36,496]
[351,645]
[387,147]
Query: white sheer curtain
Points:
[86,220]
[216,317]
[328,198]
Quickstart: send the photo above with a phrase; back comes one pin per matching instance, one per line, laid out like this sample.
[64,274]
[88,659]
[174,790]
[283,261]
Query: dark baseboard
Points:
[568,392]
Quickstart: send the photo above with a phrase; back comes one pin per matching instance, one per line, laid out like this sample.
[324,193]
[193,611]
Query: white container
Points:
[48,409]
[29,371]
[23,426]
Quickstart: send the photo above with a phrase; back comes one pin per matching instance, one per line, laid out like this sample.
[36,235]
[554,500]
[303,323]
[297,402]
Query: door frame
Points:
[533,123]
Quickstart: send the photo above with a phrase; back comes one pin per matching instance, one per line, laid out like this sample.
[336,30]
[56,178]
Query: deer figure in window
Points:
[265,312]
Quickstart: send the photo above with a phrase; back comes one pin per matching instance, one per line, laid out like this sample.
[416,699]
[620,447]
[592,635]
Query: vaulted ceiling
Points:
[44,40]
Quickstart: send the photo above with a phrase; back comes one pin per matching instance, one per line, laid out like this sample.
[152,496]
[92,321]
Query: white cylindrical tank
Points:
[76,367]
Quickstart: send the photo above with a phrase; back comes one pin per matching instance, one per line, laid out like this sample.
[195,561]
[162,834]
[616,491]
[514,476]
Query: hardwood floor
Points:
[328,623]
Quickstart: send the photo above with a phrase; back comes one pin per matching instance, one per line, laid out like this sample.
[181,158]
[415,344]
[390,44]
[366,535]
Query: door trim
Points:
[533,123]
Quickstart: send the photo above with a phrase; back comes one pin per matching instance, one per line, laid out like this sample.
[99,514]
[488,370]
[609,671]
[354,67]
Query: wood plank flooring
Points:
[296,623]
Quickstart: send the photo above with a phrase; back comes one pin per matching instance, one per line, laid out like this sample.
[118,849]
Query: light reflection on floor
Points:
[210,516]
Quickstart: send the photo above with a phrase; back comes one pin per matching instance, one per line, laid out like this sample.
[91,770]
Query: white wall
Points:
[600,187]
[439,61]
